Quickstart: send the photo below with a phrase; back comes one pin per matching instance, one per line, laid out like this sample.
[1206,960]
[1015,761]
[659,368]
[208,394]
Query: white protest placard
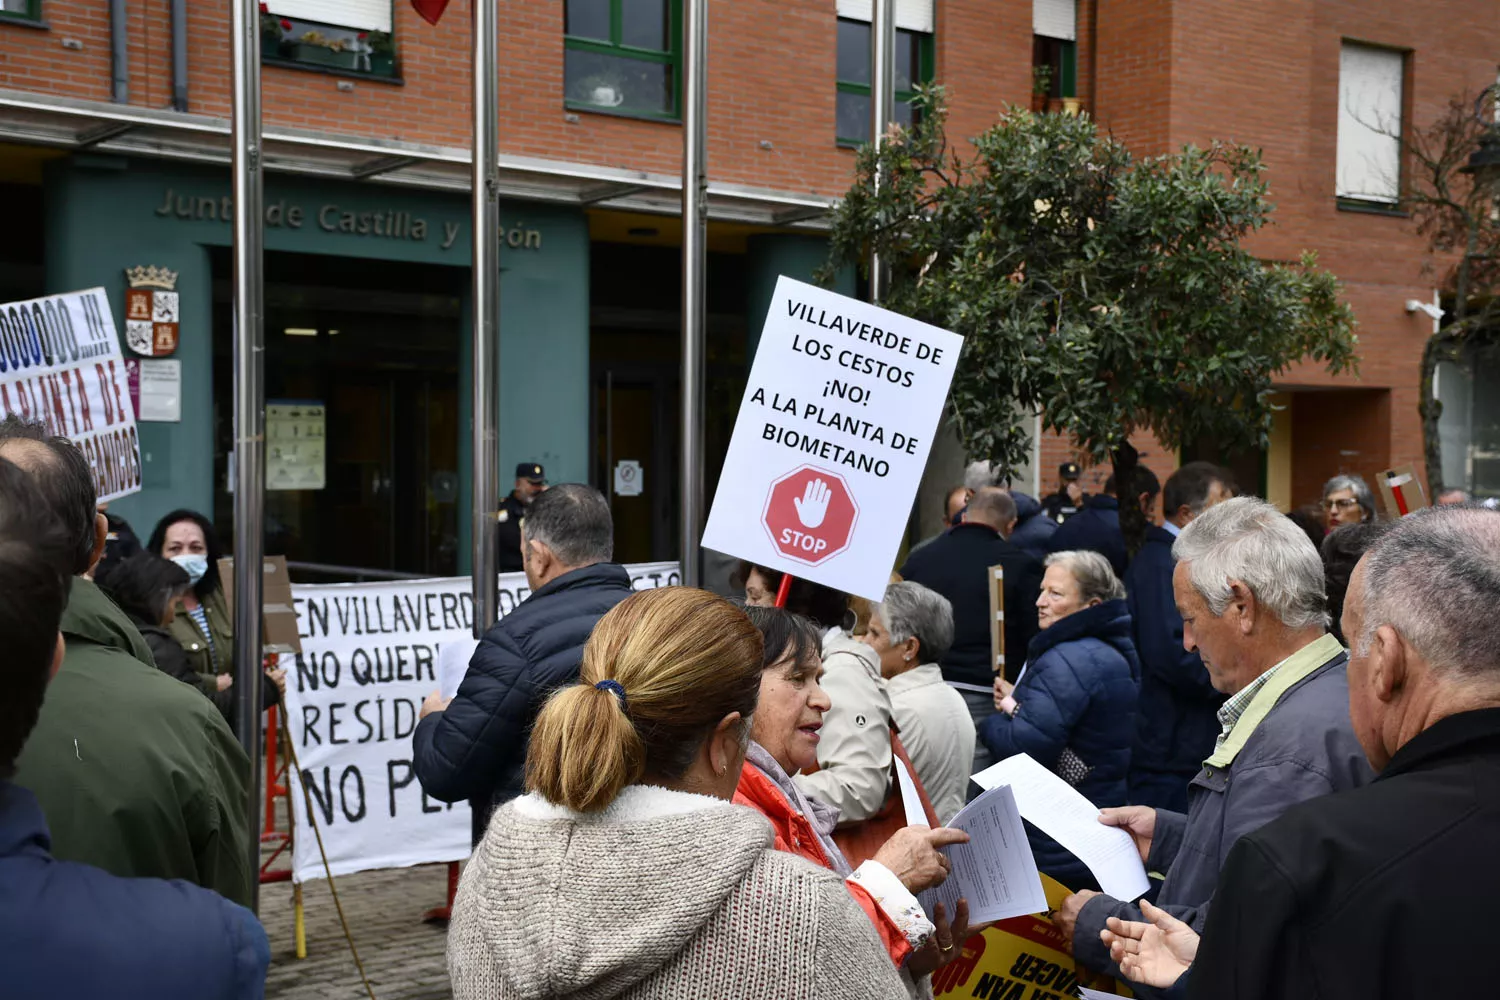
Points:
[60,364]
[370,655]
[832,438]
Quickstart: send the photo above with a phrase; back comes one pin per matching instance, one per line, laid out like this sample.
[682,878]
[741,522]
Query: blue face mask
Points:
[194,565]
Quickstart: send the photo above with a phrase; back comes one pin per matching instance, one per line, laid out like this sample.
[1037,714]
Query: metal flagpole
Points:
[694,238]
[486,333]
[249,398]
[882,107]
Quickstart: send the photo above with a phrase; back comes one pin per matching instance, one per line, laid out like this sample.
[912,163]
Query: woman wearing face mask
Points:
[202,625]
[1073,707]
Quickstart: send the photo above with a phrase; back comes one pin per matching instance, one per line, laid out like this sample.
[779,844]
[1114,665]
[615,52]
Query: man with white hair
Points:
[1360,895]
[1249,585]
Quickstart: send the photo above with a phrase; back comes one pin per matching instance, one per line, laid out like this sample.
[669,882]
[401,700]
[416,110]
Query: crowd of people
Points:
[704,792]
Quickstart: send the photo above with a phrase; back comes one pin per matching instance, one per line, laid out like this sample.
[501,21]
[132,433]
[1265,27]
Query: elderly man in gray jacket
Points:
[1249,585]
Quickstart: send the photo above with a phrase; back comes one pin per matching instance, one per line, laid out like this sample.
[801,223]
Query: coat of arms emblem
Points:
[151,311]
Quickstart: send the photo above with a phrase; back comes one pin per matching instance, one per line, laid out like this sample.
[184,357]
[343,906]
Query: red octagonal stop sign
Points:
[810,514]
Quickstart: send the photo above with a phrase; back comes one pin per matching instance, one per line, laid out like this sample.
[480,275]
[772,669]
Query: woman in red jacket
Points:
[783,741]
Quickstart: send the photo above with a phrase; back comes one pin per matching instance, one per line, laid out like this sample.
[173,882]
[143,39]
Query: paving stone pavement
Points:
[404,957]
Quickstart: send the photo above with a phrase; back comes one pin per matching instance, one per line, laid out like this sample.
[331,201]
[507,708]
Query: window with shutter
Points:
[1055,19]
[623,56]
[1370,125]
[349,36]
[915,59]
[366,15]
[1054,50]
[911,15]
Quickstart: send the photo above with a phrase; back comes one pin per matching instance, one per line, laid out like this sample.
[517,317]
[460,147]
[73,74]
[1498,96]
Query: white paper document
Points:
[915,816]
[994,871]
[453,663]
[1088,994]
[1063,814]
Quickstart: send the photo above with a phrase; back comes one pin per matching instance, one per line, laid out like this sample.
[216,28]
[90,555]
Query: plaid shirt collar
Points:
[1235,705]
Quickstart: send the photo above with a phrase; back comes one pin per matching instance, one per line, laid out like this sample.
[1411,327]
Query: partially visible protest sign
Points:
[832,439]
[1023,958]
[369,657]
[1401,490]
[60,363]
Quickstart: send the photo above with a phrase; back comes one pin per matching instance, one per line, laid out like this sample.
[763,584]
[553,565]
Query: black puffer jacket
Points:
[169,657]
[476,749]
[172,659]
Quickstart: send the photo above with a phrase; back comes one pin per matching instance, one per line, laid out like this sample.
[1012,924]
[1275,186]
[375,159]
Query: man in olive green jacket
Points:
[136,772]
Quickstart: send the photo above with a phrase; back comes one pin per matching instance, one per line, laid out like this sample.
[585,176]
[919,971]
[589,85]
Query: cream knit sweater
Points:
[663,895]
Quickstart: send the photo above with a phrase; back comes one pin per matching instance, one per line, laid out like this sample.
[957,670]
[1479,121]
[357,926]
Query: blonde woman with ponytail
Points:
[625,871]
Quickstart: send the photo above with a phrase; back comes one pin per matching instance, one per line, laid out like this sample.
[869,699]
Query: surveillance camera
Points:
[1431,309]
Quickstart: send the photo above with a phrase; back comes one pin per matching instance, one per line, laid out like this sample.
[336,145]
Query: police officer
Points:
[530,481]
[1069,498]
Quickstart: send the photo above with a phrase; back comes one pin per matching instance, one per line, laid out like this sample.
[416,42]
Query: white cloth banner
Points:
[370,653]
[60,363]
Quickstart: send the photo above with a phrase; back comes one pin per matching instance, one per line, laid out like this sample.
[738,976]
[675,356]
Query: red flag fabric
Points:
[430,10]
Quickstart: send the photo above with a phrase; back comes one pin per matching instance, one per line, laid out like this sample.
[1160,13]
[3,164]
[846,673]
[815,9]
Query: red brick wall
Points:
[1160,74]
[1345,431]
[1134,95]
[1267,74]
[772,67]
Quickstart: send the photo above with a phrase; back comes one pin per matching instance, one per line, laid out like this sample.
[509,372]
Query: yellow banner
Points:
[1024,958]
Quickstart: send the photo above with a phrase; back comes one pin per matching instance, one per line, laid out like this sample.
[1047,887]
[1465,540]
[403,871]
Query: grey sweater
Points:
[663,895]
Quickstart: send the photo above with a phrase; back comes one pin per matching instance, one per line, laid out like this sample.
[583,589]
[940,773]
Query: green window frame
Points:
[613,87]
[925,52]
[1061,56]
[26,10]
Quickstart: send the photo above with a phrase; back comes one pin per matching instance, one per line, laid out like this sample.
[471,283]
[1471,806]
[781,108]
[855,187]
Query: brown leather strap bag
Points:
[860,841]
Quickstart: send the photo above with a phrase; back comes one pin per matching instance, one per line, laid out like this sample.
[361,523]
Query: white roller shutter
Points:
[1055,19]
[366,15]
[1369,147]
[913,15]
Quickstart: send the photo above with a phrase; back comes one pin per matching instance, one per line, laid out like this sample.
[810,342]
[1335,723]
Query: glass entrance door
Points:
[362,415]
[635,410]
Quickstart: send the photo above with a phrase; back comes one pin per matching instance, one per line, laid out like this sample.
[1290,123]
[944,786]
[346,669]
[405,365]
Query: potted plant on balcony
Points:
[1041,86]
[382,52]
[314,47]
[272,30]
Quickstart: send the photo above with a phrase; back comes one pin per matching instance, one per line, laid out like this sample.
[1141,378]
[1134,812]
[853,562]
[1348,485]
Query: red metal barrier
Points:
[442,913]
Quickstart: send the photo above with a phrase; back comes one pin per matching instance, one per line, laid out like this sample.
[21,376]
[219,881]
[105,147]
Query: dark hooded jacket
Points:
[1077,703]
[1095,528]
[73,932]
[1033,527]
[1178,720]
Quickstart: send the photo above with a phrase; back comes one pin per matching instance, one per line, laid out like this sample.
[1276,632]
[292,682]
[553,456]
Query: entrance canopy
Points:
[71,124]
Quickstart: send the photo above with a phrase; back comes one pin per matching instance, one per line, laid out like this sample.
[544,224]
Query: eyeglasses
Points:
[1343,504]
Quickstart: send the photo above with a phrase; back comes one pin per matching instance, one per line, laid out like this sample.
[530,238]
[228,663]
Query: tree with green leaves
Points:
[1110,293]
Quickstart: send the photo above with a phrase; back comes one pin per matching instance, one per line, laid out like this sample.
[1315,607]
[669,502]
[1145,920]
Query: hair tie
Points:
[617,688]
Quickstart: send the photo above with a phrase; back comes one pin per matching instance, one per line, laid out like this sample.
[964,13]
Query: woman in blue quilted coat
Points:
[1073,707]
